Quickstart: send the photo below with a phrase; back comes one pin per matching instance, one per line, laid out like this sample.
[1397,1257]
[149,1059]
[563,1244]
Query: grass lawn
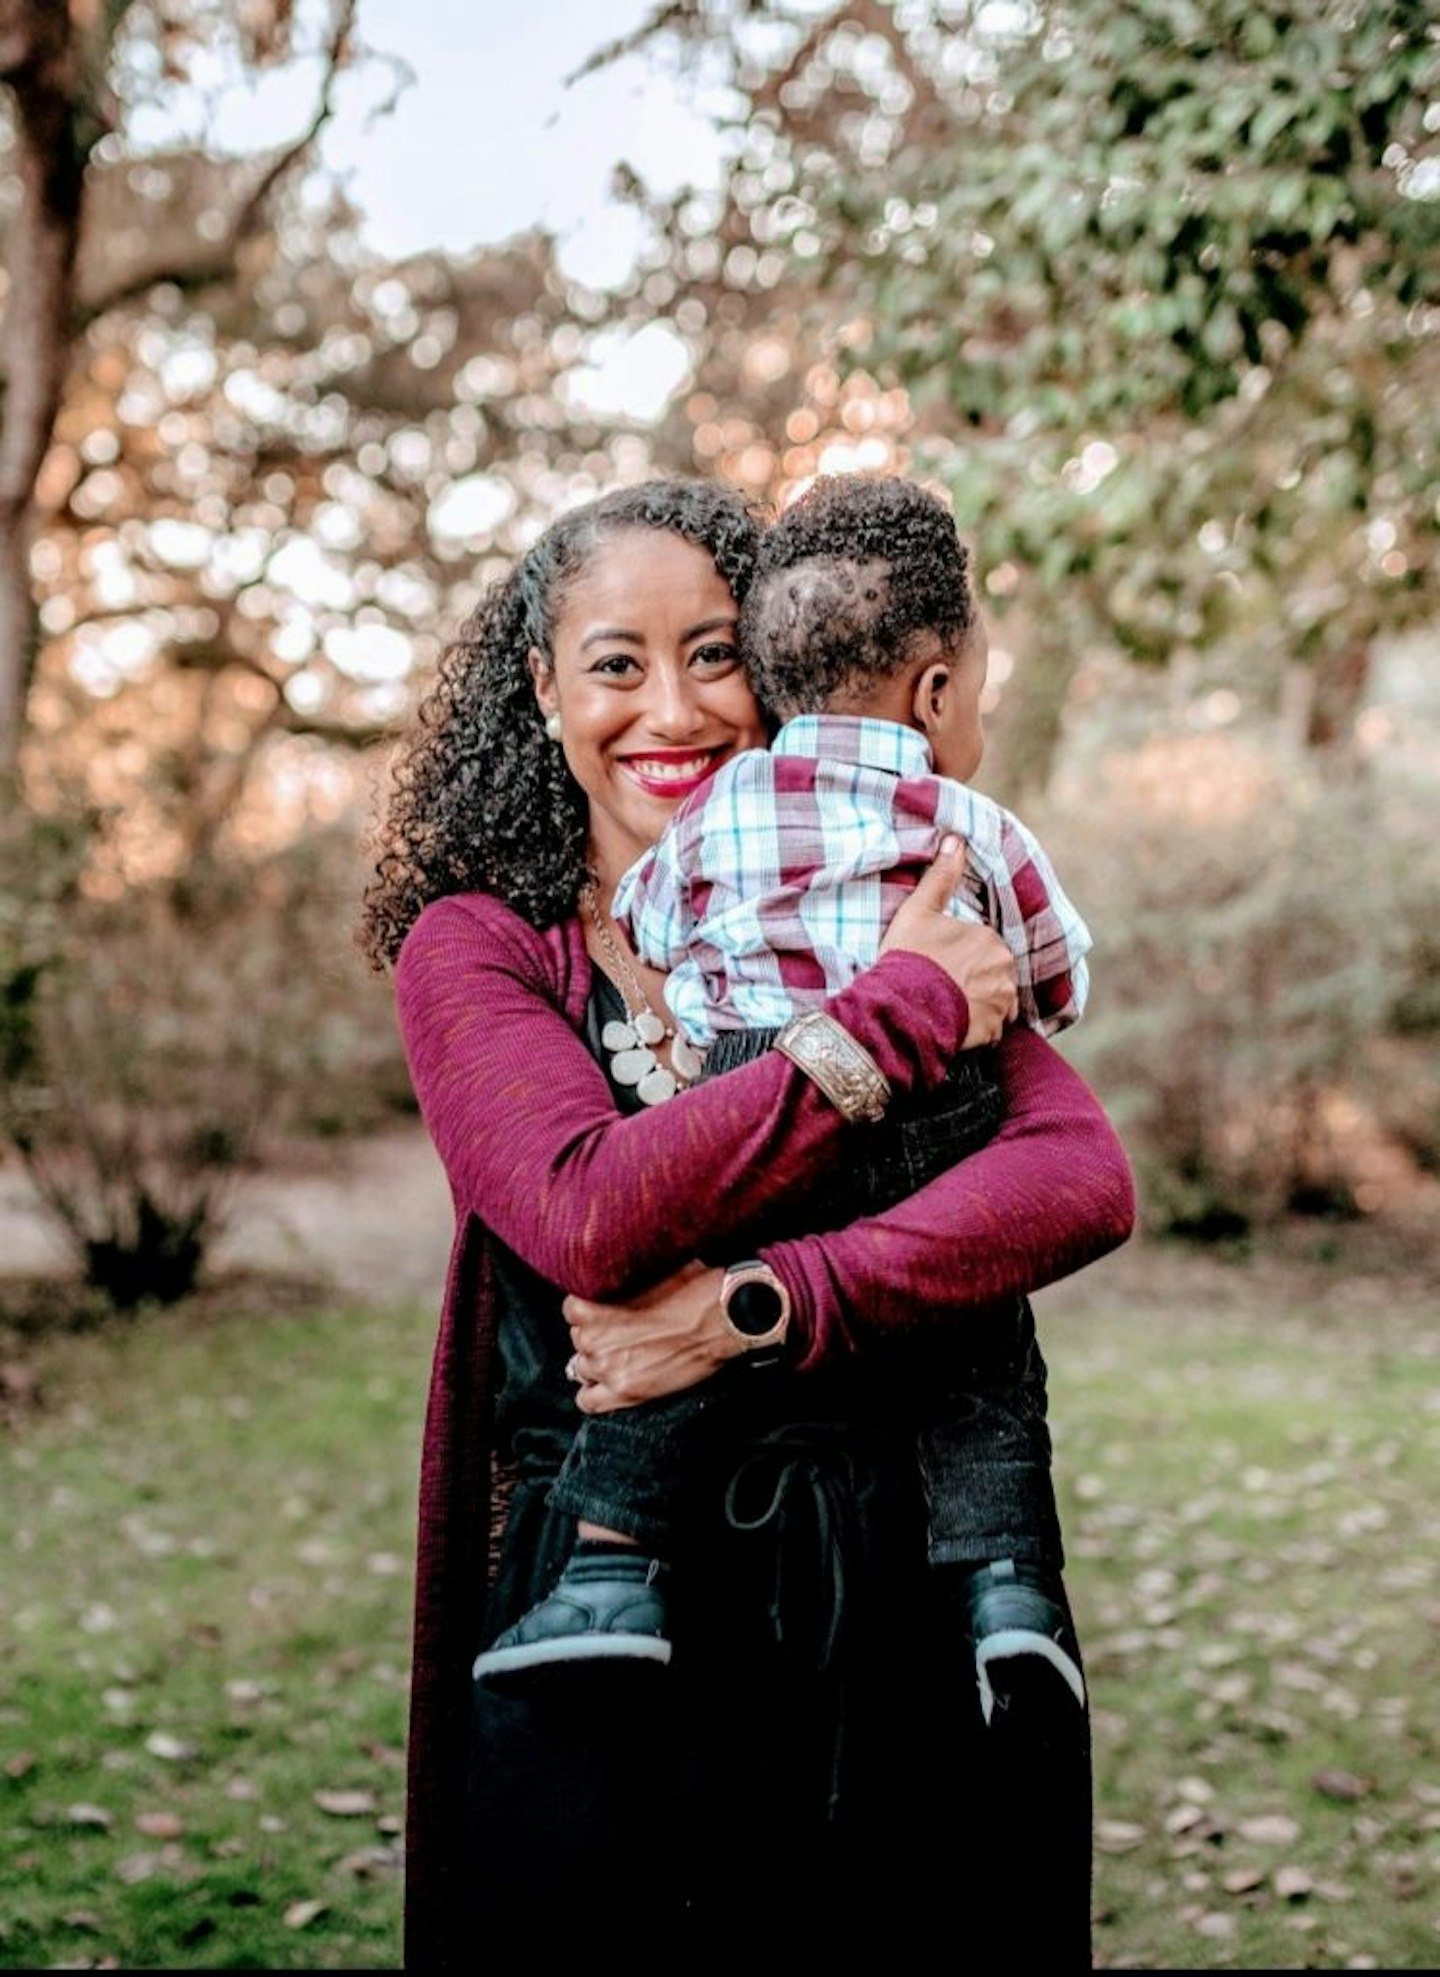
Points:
[1250,1485]
[202,1704]
[207,1515]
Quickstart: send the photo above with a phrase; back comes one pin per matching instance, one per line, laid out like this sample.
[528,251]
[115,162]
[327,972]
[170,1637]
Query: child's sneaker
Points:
[603,1608]
[1022,1636]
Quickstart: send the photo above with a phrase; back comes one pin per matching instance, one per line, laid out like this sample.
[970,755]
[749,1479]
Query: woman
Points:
[800,1768]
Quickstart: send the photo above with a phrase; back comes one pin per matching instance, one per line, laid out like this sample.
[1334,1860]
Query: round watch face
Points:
[754,1301]
[754,1307]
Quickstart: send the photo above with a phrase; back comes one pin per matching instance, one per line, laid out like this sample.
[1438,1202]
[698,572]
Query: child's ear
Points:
[932,690]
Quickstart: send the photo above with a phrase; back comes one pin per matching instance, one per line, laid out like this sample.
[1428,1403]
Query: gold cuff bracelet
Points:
[843,1069]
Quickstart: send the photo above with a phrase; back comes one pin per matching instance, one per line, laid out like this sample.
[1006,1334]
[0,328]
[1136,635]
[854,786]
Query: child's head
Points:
[861,604]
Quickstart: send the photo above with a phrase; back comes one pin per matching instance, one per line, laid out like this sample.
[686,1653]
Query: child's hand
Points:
[974,957]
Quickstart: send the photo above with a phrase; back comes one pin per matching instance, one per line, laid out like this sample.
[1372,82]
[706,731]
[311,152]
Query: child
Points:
[771,889]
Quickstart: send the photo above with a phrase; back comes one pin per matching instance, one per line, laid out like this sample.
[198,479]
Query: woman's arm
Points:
[1051,1192]
[525,1124]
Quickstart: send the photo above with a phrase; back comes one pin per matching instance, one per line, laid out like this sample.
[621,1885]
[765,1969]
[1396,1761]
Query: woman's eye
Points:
[715,658]
[614,664]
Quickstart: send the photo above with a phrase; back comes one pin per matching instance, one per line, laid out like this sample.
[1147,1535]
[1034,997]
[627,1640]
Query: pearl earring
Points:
[552,726]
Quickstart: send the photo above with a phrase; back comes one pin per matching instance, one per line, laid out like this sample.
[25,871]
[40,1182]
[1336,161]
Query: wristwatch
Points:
[757,1309]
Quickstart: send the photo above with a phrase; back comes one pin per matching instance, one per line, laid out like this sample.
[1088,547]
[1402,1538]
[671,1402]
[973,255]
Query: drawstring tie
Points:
[799,1485]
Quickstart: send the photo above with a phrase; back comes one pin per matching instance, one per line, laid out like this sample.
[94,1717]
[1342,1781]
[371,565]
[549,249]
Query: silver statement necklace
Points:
[632,1044]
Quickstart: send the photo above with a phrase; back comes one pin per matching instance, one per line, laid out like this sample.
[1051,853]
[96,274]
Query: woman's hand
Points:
[974,957]
[663,1340]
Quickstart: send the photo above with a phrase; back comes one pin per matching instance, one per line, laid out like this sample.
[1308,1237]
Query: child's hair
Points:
[844,581]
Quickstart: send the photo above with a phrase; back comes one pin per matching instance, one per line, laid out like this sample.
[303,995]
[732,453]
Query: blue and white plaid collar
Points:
[857,738]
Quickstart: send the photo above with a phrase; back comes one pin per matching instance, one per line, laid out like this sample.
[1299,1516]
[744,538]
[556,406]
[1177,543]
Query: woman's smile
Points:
[673,773]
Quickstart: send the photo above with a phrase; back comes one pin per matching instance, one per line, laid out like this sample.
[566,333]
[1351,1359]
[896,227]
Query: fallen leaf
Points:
[82,1918]
[20,1765]
[159,1825]
[1273,1829]
[1292,1883]
[136,1867]
[1118,1835]
[172,1749]
[1243,1880]
[1233,1688]
[90,1815]
[1342,1785]
[1183,1817]
[370,1861]
[391,1754]
[300,1914]
[346,1805]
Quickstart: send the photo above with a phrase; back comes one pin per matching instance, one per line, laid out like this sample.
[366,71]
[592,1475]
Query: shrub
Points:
[150,1040]
[1264,947]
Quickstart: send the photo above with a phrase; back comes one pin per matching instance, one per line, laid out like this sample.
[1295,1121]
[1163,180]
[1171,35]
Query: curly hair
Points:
[845,580]
[479,799]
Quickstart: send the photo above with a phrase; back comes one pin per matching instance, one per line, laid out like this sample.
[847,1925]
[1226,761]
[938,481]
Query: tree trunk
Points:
[1026,736]
[1342,681]
[37,60]
[1320,703]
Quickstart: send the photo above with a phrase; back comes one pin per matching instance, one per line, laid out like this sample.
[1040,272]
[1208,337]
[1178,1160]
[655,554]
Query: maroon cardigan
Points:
[599,1203]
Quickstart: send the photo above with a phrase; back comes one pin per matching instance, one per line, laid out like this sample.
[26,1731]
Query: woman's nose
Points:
[674,709]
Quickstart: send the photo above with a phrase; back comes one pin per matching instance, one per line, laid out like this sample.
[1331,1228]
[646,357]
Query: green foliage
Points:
[1161,281]
[1264,958]
[1177,268]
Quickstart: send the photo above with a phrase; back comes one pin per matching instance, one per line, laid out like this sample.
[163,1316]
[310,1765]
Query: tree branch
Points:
[210,261]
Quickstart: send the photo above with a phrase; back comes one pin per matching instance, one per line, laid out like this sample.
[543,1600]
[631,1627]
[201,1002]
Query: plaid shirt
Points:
[774,883]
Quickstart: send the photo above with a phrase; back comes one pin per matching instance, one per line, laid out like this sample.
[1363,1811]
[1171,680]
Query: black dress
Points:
[811,1774]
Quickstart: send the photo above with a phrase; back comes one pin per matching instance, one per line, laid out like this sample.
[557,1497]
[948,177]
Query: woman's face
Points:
[648,685]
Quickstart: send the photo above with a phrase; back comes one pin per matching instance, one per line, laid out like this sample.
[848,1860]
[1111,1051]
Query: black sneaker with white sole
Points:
[1023,1644]
[606,1608]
